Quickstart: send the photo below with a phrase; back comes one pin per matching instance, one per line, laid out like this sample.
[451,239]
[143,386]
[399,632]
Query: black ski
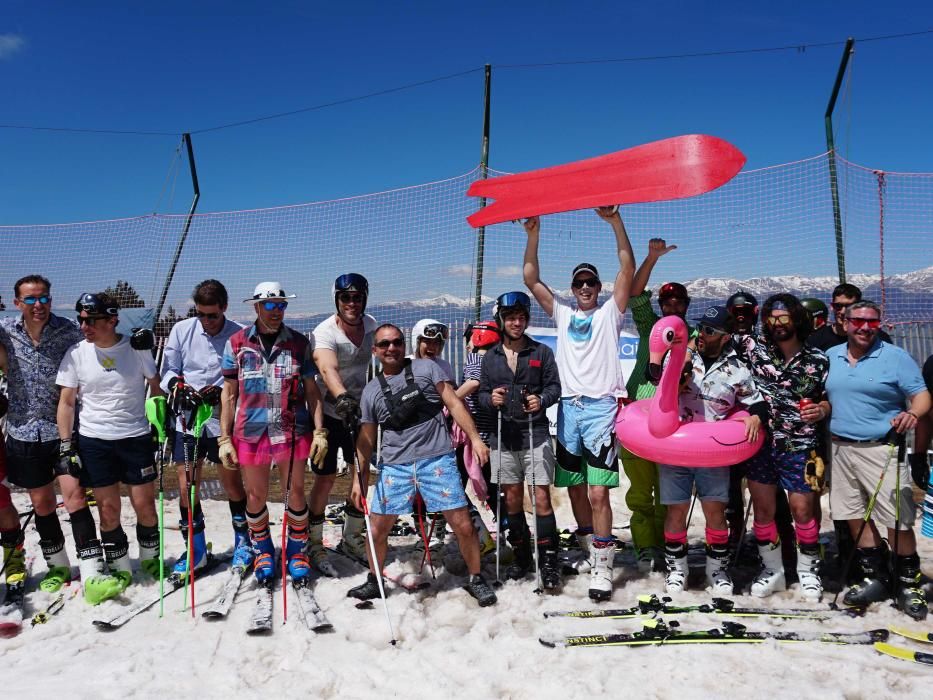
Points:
[656,633]
[221,605]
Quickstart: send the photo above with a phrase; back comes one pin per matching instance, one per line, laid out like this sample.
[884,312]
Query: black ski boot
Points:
[550,567]
[876,586]
[522,562]
[911,599]
[366,591]
[481,590]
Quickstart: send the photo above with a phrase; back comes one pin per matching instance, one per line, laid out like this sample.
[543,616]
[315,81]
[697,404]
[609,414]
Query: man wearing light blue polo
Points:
[869,384]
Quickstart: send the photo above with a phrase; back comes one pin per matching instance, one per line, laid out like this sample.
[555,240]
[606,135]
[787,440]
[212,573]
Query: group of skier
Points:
[247,397]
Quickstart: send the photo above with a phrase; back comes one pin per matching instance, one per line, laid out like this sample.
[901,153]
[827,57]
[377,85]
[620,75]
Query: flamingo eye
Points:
[669,335]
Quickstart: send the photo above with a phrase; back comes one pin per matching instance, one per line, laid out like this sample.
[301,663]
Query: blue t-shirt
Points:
[866,396]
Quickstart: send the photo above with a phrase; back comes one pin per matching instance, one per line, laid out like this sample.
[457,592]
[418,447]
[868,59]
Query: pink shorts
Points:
[263,453]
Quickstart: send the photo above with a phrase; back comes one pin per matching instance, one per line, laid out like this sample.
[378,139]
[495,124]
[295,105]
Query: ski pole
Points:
[498,492]
[292,404]
[534,490]
[201,415]
[892,446]
[156,414]
[184,447]
[369,535]
[897,523]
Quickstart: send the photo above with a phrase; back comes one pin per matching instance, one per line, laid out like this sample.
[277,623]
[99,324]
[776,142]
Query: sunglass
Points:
[394,343]
[779,321]
[211,317]
[44,299]
[838,306]
[738,311]
[275,305]
[89,320]
[592,282]
[350,298]
[434,331]
[709,330]
[872,323]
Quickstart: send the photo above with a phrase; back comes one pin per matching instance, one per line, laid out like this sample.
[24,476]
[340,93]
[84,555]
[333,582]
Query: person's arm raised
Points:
[532,270]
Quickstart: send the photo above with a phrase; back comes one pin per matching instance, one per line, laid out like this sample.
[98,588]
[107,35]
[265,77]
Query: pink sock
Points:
[675,537]
[717,536]
[765,533]
[807,533]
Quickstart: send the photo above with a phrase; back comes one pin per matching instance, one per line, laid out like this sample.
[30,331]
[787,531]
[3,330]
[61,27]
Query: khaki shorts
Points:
[856,469]
[516,465]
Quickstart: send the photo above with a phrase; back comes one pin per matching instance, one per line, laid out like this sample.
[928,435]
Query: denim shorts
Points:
[436,479]
[712,483]
[107,462]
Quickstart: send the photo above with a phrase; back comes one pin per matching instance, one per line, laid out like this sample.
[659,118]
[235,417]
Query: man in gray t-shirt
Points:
[417,457]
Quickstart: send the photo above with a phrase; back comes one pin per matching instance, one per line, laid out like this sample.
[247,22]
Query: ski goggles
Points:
[870,323]
[93,305]
[514,299]
[434,331]
[275,305]
[32,300]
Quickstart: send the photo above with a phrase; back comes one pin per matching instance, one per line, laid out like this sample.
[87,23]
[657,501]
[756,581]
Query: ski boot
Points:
[98,584]
[601,573]
[584,564]
[876,586]
[317,553]
[675,560]
[910,596]
[645,558]
[522,558]
[481,590]
[717,569]
[264,551]
[808,572]
[297,561]
[487,545]
[367,590]
[59,572]
[353,543]
[198,547]
[242,548]
[117,555]
[149,561]
[550,567]
[770,577]
[14,562]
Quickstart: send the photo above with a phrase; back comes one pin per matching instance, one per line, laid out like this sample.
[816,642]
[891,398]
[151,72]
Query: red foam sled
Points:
[683,166]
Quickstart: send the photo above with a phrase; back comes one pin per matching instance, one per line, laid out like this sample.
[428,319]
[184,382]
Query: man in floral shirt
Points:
[791,376]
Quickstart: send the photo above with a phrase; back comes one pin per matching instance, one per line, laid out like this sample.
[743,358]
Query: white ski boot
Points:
[770,577]
[808,572]
[718,580]
[675,559]
[601,574]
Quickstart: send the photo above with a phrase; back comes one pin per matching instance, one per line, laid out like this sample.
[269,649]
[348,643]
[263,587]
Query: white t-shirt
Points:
[352,361]
[588,350]
[111,388]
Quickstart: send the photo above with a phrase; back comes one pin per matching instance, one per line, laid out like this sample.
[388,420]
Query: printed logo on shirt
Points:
[107,363]
[580,330]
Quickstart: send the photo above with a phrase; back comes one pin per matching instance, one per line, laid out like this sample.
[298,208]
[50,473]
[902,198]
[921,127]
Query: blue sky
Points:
[177,66]
[173,66]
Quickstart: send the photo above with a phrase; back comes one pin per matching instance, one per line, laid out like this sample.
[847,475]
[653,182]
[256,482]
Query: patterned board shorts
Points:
[436,479]
[776,467]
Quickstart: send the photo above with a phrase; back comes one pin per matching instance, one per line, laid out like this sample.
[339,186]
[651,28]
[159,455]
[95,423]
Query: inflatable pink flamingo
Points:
[652,428]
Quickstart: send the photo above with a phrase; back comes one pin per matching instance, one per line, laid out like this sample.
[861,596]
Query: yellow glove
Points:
[227,453]
[318,447]
[814,472]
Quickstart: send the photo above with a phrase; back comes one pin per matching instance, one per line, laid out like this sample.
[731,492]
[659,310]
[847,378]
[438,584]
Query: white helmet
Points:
[430,329]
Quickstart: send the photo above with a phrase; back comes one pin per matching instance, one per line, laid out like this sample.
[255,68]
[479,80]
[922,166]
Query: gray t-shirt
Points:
[428,439]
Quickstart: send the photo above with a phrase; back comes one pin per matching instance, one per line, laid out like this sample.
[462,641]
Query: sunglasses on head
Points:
[872,323]
[350,298]
[394,343]
[779,321]
[709,330]
[89,320]
[591,282]
[30,300]
[210,317]
[275,305]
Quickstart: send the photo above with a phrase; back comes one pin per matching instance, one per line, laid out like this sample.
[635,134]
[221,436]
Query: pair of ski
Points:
[261,620]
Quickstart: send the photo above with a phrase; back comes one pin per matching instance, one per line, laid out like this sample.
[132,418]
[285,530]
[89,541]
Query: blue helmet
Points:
[351,282]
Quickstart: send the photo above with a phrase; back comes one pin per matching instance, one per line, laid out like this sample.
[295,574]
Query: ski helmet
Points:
[511,301]
[744,307]
[673,290]
[484,335]
[818,311]
[429,329]
[351,282]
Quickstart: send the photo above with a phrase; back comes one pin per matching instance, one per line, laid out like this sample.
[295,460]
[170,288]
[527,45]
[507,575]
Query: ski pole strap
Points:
[156,413]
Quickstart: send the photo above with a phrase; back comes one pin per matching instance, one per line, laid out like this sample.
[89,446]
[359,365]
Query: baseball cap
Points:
[585,267]
[717,317]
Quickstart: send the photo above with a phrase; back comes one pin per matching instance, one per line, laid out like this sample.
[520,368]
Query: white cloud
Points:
[460,270]
[10,44]
[509,271]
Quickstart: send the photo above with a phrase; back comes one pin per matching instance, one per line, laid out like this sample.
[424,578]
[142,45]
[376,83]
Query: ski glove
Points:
[318,447]
[814,472]
[227,453]
[142,339]
[920,470]
[69,463]
[348,409]
[182,396]
[210,395]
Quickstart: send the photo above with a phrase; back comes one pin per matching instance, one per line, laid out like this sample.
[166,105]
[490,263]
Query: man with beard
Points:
[791,376]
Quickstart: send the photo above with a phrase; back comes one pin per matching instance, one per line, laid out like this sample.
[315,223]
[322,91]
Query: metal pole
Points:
[484,173]
[184,234]
[831,148]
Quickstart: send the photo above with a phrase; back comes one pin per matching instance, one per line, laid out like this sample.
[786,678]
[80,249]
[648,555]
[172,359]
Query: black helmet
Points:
[511,301]
[742,306]
[819,312]
[98,305]
[351,282]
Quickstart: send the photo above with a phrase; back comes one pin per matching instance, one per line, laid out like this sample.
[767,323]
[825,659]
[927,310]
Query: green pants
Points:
[644,500]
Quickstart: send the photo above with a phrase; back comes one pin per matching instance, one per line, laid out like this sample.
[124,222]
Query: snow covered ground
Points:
[448,647]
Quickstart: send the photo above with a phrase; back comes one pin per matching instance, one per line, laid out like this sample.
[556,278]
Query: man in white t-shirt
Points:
[591,387]
[108,376]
